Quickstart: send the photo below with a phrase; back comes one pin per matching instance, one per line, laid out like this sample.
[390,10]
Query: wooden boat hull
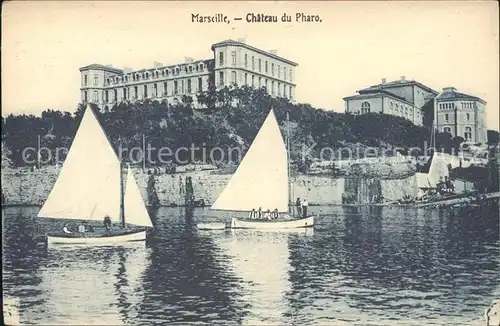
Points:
[112,239]
[273,224]
[211,226]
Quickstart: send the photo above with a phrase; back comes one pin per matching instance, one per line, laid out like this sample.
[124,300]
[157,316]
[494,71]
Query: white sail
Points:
[88,185]
[261,179]
[438,170]
[135,209]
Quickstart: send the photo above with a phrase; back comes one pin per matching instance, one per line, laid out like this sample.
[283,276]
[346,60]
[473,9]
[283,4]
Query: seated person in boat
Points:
[82,228]
[259,213]
[253,213]
[107,223]
[267,215]
[276,215]
[89,227]
[66,229]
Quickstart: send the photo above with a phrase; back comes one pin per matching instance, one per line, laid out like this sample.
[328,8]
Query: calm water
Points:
[366,265]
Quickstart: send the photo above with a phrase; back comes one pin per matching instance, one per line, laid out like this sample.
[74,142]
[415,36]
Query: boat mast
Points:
[290,210]
[122,204]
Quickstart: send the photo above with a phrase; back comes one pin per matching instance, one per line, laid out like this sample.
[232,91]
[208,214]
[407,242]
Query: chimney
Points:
[403,78]
[449,89]
[384,80]
[275,52]
[127,70]
[157,64]
[188,59]
[242,40]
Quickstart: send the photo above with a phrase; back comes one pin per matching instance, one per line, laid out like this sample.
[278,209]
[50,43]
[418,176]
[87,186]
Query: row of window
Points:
[178,88]
[276,88]
[467,133]
[465,105]
[277,71]
[146,74]
[365,108]
[447,117]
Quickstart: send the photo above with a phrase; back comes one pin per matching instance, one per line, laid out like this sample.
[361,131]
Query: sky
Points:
[355,45]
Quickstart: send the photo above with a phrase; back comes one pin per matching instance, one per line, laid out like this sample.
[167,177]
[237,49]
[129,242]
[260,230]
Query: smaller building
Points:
[402,98]
[461,115]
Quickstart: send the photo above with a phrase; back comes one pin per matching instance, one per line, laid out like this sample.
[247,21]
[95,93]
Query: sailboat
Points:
[262,180]
[90,187]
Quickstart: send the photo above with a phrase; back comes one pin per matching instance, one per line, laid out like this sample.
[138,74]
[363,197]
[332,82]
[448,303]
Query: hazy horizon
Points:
[356,44]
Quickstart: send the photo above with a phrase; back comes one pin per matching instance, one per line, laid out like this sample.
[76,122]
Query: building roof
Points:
[237,43]
[398,83]
[376,94]
[450,93]
[101,67]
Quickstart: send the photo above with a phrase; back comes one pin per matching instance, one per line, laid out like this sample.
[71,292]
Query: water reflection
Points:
[366,265]
[260,259]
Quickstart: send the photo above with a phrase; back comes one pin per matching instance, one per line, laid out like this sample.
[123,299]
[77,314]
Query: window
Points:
[189,85]
[253,63]
[96,80]
[190,69]
[365,107]
[155,90]
[468,133]
[260,65]
[272,69]
[221,78]
[279,89]
[246,60]
[136,92]
[85,80]
[176,87]
[145,93]
[246,79]
[290,74]
[182,86]
[233,58]
[447,129]
[468,116]
[85,97]
[446,117]
[265,67]
[125,95]
[96,96]
[391,105]
[266,84]
[233,77]
[284,73]
[221,59]
[273,91]
[200,84]
[260,82]
[397,107]
[284,90]
[165,88]
[279,71]
[115,95]
[290,92]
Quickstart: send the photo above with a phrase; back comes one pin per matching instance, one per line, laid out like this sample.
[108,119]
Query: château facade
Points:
[402,98]
[461,115]
[233,63]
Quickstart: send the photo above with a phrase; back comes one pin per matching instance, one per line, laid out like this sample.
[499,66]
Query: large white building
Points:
[234,63]
[460,115]
[403,98]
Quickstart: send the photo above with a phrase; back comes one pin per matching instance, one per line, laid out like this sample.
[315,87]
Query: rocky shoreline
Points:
[358,183]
